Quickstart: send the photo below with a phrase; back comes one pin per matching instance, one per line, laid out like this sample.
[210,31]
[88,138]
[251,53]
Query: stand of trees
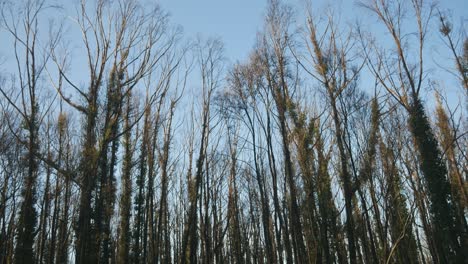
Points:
[146,148]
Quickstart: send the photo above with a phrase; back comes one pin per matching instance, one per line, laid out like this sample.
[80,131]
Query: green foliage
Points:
[435,177]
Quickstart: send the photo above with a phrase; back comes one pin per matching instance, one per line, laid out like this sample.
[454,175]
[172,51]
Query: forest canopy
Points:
[123,140]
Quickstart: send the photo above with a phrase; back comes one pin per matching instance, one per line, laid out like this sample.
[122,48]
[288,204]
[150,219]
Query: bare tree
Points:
[403,81]
[209,57]
[285,156]
[122,41]
[31,60]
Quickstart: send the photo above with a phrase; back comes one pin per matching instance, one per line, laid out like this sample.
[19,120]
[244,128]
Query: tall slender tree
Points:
[405,88]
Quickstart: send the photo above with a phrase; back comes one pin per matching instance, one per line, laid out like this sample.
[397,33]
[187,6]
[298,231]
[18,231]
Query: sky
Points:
[236,22]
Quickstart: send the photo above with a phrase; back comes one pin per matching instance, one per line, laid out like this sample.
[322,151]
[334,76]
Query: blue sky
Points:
[236,22]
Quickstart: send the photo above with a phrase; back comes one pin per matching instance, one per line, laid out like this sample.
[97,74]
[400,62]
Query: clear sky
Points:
[236,22]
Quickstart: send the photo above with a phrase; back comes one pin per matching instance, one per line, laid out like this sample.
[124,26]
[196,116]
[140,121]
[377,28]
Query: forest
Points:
[124,141]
